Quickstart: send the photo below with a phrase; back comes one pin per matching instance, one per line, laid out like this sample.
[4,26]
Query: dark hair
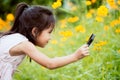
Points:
[27,17]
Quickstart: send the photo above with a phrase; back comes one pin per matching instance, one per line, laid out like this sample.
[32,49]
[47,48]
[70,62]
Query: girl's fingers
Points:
[87,54]
[85,46]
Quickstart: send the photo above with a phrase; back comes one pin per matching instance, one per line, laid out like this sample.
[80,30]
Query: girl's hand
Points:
[83,51]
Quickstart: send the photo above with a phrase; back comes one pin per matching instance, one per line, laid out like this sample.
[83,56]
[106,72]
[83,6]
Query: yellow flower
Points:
[63,21]
[118,2]
[73,19]
[61,32]
[115,6]
[59,0]
[112,23]
[91,11]
[98,46]
[89,15]
[86,38]
[3,24]
[54,41]
[88,3]
[99,19]
[10,17]
[62,26]
[115,22]
[80,28]
[119,20]
[56,4]
[93,1]
[106,28]
[112,4]
[102,43]
[63,39]
[0,27]
[119,51]
[66,33]
[117,30]
[102,11]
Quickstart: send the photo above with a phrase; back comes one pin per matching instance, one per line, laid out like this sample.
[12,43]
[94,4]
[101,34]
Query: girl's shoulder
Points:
[13,38]
[14,35]
[7,42]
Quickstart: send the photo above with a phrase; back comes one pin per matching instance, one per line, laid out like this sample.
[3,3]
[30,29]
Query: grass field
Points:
[102,64]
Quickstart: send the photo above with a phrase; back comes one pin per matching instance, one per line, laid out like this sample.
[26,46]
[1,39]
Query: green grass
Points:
[102,64]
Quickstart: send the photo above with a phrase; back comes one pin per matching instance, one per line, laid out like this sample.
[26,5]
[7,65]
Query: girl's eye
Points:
[50,31]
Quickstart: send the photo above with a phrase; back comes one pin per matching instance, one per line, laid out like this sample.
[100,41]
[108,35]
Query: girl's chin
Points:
[42,46]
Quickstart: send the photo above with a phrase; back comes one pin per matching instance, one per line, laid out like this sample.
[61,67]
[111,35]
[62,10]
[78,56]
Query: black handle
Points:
[91,39]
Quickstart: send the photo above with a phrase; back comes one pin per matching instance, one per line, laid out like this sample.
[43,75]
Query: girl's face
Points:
[44,37]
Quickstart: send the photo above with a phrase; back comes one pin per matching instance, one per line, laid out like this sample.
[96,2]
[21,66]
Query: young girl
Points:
[32,27]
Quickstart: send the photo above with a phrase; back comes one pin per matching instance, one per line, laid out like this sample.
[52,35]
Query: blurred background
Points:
[76,20]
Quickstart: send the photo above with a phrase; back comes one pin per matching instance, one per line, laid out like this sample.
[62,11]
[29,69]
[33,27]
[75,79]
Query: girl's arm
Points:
[51,63]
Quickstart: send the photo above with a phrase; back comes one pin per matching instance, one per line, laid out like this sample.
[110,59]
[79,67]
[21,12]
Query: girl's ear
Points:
[34,31]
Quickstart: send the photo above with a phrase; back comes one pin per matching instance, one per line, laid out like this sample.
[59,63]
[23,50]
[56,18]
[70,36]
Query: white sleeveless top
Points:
[8,63]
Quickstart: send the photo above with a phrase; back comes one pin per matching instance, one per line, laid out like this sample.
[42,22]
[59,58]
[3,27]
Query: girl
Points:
[32,27]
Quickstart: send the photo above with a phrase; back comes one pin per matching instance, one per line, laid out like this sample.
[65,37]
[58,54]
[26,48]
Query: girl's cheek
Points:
[49,36]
